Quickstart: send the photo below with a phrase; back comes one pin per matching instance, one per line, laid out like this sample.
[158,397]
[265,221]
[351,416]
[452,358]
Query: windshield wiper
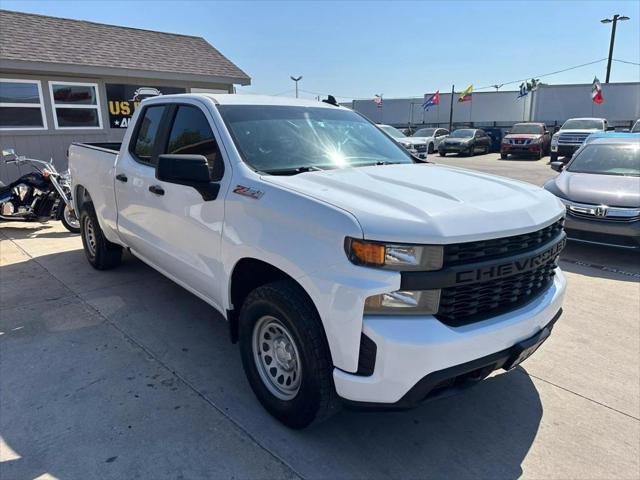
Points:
[294,170]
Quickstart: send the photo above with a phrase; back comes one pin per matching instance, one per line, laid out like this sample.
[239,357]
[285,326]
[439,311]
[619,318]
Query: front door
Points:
[182,234]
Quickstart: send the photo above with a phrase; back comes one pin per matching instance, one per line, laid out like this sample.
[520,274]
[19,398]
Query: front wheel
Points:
[285,354]
[68,218]
[441,153]
[553,157]
[430,149]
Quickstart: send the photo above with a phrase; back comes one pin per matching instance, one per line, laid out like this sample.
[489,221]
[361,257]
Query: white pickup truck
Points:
[348,270]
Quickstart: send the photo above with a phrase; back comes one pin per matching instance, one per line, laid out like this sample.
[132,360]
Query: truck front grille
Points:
[574,138]
[472,303]
[461,253]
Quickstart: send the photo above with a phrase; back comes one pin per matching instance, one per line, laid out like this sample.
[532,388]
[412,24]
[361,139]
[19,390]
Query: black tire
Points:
[553,157]
[471,151]
[504,156]
[315,399]
[62,206]
[441,153]
[100,252]
[430,149]
[487,150]
[541,153]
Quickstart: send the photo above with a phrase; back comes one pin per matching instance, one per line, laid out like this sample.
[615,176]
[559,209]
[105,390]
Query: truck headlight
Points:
[403,302]
[554,139]
[394,256]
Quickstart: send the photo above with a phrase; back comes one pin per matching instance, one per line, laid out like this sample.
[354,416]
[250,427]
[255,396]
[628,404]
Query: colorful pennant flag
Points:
[466,96]
[523,90]
[596,91]
[431,101]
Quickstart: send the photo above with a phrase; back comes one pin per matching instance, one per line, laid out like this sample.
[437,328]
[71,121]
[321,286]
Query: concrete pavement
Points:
[123,374]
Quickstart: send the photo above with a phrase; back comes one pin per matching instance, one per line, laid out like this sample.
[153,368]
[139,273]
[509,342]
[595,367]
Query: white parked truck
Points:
[348,270]
[572,135]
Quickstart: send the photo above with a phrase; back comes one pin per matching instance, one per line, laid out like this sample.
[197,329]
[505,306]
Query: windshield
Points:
[527,128]
[287,140]
[425,132]
[389,130]
[585,124]
[608,159]
[463,133]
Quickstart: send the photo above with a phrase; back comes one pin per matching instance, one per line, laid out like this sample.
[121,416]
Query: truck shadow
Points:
[484,432]
[601,261]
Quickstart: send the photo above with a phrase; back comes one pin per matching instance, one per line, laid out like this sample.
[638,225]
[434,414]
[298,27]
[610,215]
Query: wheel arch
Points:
[248,274]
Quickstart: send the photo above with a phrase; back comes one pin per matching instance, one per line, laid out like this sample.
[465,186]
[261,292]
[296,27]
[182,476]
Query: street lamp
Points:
[614,21]
[296,79]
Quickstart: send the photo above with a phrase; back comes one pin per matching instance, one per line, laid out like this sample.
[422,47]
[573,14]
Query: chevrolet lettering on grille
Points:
[506,269]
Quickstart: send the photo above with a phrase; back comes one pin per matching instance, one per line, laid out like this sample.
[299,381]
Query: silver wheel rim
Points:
[90,237]
[70,217]
[276,357]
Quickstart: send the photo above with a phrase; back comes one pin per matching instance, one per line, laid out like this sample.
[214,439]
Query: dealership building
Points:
[64,81]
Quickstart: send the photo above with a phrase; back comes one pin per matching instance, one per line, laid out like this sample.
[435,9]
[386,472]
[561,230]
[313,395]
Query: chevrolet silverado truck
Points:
[349,271]
[572,135]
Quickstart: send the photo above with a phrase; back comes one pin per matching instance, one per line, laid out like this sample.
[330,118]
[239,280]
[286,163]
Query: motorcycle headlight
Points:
[403,302]
[394,256]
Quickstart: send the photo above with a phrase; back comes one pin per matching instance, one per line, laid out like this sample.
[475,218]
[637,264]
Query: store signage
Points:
[124,99]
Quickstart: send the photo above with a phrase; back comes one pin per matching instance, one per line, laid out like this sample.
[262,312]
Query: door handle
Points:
[157,189]
[122,177]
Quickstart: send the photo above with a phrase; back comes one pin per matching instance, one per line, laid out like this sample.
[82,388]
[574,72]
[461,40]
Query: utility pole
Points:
[614,22]
[453,89]
[296,79]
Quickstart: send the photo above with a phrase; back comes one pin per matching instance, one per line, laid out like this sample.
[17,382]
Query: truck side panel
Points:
[93,170]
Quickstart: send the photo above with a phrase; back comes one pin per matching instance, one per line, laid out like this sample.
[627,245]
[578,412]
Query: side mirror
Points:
[557,166]
[189,170]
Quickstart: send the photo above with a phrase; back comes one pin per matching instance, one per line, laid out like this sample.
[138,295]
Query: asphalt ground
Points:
[124,374]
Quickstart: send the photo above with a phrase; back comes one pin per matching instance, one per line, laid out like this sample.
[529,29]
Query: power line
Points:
[625,61]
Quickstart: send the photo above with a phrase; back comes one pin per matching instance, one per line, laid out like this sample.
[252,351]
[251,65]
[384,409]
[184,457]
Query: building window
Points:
[75,105]
[21,105]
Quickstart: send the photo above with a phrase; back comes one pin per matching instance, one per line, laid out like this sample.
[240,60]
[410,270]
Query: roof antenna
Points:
[331,100]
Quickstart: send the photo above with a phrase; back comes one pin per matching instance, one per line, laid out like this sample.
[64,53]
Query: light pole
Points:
[614,21]
[296,79]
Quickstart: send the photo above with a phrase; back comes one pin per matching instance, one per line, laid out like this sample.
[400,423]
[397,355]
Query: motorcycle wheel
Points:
[68,218]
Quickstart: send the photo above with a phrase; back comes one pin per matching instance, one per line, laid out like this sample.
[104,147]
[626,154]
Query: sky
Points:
[398,49]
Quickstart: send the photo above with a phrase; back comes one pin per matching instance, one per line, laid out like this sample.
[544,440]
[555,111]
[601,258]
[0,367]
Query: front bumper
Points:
[513,149]
[602,232]
[454,148]
[565,149]
[410,349]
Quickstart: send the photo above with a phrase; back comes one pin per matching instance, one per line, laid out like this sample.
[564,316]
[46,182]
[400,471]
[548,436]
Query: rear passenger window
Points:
[145,136]
[191,134]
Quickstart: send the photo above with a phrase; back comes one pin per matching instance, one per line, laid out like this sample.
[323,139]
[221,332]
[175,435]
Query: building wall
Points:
[52,143]
[550,104]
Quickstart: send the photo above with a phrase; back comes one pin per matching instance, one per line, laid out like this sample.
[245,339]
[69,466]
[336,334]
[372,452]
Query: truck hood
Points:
[411,141]
[612,190]
[428,203]
[523,135]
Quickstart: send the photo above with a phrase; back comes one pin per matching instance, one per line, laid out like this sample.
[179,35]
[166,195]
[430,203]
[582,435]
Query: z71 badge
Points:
[248,192]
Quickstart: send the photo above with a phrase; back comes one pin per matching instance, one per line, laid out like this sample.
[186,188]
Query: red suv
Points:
[526,139]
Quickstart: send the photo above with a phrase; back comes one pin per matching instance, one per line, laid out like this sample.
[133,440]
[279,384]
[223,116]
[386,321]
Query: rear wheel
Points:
[285,354]
[101,253]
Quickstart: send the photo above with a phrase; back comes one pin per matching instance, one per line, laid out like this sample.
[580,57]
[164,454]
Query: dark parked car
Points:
[600,188]
[467,141]
[531,139]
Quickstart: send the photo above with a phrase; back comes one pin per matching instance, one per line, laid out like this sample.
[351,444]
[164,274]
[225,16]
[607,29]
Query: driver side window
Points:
[191,134]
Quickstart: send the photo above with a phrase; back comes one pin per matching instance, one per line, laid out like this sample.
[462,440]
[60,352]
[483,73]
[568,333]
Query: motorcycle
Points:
[40,195]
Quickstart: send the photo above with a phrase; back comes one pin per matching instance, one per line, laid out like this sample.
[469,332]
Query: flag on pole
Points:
[431,101]
[466,96]
[596,91]
[377,99]
[523,90]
